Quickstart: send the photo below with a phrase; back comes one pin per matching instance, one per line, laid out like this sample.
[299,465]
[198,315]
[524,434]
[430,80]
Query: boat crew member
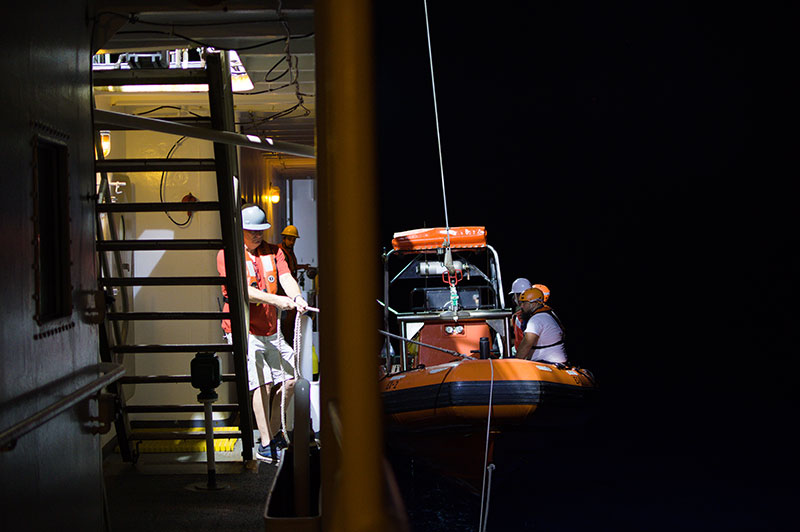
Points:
[517,288]
[270,360]
[290,234]
[543,337]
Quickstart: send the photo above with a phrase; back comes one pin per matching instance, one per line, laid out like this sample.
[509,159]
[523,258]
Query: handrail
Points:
[448,351]
[482,314]
[111,372]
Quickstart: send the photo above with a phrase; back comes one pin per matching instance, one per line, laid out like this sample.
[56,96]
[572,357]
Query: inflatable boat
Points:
[453,393]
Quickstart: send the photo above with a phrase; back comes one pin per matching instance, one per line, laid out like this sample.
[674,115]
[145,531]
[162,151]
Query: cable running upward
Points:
[438,135]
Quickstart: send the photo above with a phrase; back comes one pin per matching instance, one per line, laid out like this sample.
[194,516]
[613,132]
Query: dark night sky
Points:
[633,160]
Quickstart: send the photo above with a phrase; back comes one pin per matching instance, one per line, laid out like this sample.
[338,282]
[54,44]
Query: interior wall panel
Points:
[52,479]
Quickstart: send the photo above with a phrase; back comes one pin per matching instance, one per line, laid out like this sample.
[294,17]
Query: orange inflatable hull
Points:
[457,393]
[440,413]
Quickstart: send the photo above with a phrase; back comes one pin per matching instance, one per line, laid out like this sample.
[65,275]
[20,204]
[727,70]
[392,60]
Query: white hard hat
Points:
[254,218]
[520,285]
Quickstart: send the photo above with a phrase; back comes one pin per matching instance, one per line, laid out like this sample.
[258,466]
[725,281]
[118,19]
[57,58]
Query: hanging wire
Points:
[135,19]
[487,467]
[438,135]
[162,185]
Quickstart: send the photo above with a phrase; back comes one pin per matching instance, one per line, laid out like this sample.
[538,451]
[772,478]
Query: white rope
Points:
[491,468]
[438,135]
[297,373]
[484,491]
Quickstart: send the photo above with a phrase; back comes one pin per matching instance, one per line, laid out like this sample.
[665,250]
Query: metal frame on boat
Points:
[478,301]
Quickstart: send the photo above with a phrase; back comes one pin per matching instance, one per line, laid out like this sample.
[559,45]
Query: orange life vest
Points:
[519,327]
[262,270]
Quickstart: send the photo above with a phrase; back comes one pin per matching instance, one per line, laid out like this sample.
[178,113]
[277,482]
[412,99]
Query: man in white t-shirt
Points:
[543,338]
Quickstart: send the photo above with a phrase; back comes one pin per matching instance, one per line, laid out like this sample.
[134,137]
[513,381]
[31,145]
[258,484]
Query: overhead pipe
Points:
[110,118]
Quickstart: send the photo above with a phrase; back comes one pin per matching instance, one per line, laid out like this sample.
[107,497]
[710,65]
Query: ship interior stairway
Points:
[116,282]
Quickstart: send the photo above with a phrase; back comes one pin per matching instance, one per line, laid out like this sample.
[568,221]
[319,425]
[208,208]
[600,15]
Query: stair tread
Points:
[156,165]
[149,76]
[161,244]
[144,379]
[158,206]
[162,281]
[176,315]
[151,409]
[136,435]
[171,348]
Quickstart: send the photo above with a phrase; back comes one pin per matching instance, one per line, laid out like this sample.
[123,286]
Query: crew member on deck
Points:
[543,337]
[290,234]
[270,359]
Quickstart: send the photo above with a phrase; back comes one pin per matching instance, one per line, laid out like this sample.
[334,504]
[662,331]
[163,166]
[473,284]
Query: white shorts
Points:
[269,361]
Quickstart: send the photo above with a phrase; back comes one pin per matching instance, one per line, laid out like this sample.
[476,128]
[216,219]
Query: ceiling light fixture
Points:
[178,59]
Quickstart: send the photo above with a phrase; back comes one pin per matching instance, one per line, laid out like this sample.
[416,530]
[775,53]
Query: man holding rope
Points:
[270,360]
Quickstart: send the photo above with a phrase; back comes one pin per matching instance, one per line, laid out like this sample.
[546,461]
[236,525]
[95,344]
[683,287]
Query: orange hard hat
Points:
[291,230]
[532,295]
[544,289]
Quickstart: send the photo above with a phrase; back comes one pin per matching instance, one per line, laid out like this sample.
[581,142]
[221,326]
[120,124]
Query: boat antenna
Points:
[438,140]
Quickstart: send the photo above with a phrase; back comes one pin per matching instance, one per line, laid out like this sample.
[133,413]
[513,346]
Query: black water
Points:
[609,484]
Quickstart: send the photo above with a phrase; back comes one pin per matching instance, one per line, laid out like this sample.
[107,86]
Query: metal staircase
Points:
[114,337]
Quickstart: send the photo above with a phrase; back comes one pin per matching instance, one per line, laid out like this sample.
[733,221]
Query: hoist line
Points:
[438,134]
[486,488]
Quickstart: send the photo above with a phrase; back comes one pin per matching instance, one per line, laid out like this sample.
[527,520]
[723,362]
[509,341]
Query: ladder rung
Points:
[129,316]
[162,281]
[158,207]
[197,121]
[150,245]
[158,379]
[172,348]
[157,409]
[149,76]
[156,165]
[182,435]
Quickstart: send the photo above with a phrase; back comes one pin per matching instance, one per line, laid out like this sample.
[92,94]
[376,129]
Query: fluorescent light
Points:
[240,80]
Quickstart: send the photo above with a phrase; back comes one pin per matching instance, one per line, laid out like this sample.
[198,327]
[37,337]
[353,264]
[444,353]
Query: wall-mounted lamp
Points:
[105,142]
[274,194]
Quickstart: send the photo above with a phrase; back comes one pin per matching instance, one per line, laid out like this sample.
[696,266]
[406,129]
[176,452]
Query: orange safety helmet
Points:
[532,295]
[291,230]
[544,289]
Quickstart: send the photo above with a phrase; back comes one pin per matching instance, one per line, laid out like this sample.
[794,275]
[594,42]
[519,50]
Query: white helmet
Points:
[254,218]
[520,285]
